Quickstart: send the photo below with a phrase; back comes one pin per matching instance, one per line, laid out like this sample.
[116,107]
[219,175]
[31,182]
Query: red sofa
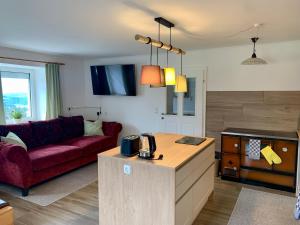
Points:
[54,147]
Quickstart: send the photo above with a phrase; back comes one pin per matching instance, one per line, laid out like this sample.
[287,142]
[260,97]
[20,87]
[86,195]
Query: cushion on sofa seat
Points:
[22,130]
[91,144]
[47,131]
[51,155]
[72,126]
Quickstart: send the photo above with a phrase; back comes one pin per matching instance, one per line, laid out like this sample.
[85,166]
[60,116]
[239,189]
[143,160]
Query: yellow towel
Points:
[270,155]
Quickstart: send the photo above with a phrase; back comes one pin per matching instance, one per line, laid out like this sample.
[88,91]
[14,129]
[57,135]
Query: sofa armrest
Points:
[17,164]
[111,128]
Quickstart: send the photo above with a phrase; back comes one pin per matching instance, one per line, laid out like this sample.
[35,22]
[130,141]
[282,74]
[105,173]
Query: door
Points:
[185,112]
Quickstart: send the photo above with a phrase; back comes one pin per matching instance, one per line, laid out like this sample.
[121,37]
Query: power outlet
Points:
[127,169]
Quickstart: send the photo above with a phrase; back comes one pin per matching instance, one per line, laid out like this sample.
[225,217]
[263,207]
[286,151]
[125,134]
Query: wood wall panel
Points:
[227,98]
[277,97]
[270,110]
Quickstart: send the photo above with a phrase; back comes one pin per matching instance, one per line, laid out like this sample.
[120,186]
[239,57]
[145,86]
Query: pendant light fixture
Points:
[254,60]
[181,82]
[150,74]
[162,73]
[170,74]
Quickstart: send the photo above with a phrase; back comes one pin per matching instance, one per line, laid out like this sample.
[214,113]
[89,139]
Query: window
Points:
[189,101]
[16,89]
[171,100]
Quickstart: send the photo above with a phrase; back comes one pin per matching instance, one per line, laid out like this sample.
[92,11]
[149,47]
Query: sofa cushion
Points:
[92,128]
[12,138]
[91,144]
[51,155]
[47,131]
[22,130]
[72,126]
[111,128]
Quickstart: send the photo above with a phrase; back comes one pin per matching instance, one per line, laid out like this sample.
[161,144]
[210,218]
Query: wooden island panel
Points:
[171,191]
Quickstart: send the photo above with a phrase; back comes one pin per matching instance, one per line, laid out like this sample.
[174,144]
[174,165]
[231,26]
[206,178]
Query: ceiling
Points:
[98,28]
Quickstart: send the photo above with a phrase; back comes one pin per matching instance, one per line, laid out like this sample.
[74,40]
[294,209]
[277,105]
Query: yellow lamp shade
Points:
[181,85]
[162,80]
[150,75]
[170,76]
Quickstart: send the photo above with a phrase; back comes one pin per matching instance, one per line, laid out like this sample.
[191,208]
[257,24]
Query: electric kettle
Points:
[148,146]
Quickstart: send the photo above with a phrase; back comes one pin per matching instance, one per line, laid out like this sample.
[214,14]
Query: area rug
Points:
[57,188]
[262,208]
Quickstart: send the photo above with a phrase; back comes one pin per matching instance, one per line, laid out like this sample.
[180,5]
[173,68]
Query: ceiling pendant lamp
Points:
[150,74]
[170,74]
[181,82]
[162,73]
[162,80]
[254,60]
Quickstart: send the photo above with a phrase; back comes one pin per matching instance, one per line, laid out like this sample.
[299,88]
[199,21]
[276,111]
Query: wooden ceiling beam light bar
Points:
[159,44]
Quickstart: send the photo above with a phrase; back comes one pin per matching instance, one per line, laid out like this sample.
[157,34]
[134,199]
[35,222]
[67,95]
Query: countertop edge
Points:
[210,142]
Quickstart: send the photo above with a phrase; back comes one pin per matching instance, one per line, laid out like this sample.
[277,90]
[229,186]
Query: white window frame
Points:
[32,90]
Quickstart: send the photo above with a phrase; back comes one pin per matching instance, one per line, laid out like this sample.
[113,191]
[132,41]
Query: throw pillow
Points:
[12,138]
[72,126]
[92,128]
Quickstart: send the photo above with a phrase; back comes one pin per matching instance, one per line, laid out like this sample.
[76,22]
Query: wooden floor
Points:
[81,207]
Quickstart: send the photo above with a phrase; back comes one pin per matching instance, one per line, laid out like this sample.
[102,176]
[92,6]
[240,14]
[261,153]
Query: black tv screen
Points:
[114,80]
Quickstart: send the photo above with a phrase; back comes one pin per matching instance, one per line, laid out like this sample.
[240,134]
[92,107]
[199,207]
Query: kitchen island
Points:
[171,191]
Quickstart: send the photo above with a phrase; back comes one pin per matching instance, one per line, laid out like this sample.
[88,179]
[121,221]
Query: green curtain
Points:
[54,104]
[2,114]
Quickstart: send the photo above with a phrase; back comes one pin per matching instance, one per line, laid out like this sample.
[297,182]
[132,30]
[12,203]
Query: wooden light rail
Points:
[158,44]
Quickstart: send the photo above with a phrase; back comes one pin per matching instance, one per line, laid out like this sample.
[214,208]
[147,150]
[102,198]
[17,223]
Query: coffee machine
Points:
[148,146]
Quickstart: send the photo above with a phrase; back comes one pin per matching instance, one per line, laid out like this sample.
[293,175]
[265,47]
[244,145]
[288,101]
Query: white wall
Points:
[142,113]
[72,82]
[137,113]
[282,73]
[71,74]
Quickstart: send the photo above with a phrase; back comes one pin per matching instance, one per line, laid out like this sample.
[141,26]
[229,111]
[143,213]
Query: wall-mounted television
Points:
[114,80]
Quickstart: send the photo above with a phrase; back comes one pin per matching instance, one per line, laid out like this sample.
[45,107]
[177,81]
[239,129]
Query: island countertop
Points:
[175,155]
[173,190]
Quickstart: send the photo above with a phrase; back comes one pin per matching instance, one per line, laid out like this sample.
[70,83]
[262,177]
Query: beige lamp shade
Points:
[254,61]
[181,83]
[150,75]
[162,80]
[170,76]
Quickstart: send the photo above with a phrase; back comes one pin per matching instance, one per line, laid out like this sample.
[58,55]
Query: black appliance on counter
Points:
[148,146]
[144,146]
[130,145]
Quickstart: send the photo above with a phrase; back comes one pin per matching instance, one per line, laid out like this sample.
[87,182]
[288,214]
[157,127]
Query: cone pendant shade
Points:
[170,76]
[181,83]
[162,80]
[150,75]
